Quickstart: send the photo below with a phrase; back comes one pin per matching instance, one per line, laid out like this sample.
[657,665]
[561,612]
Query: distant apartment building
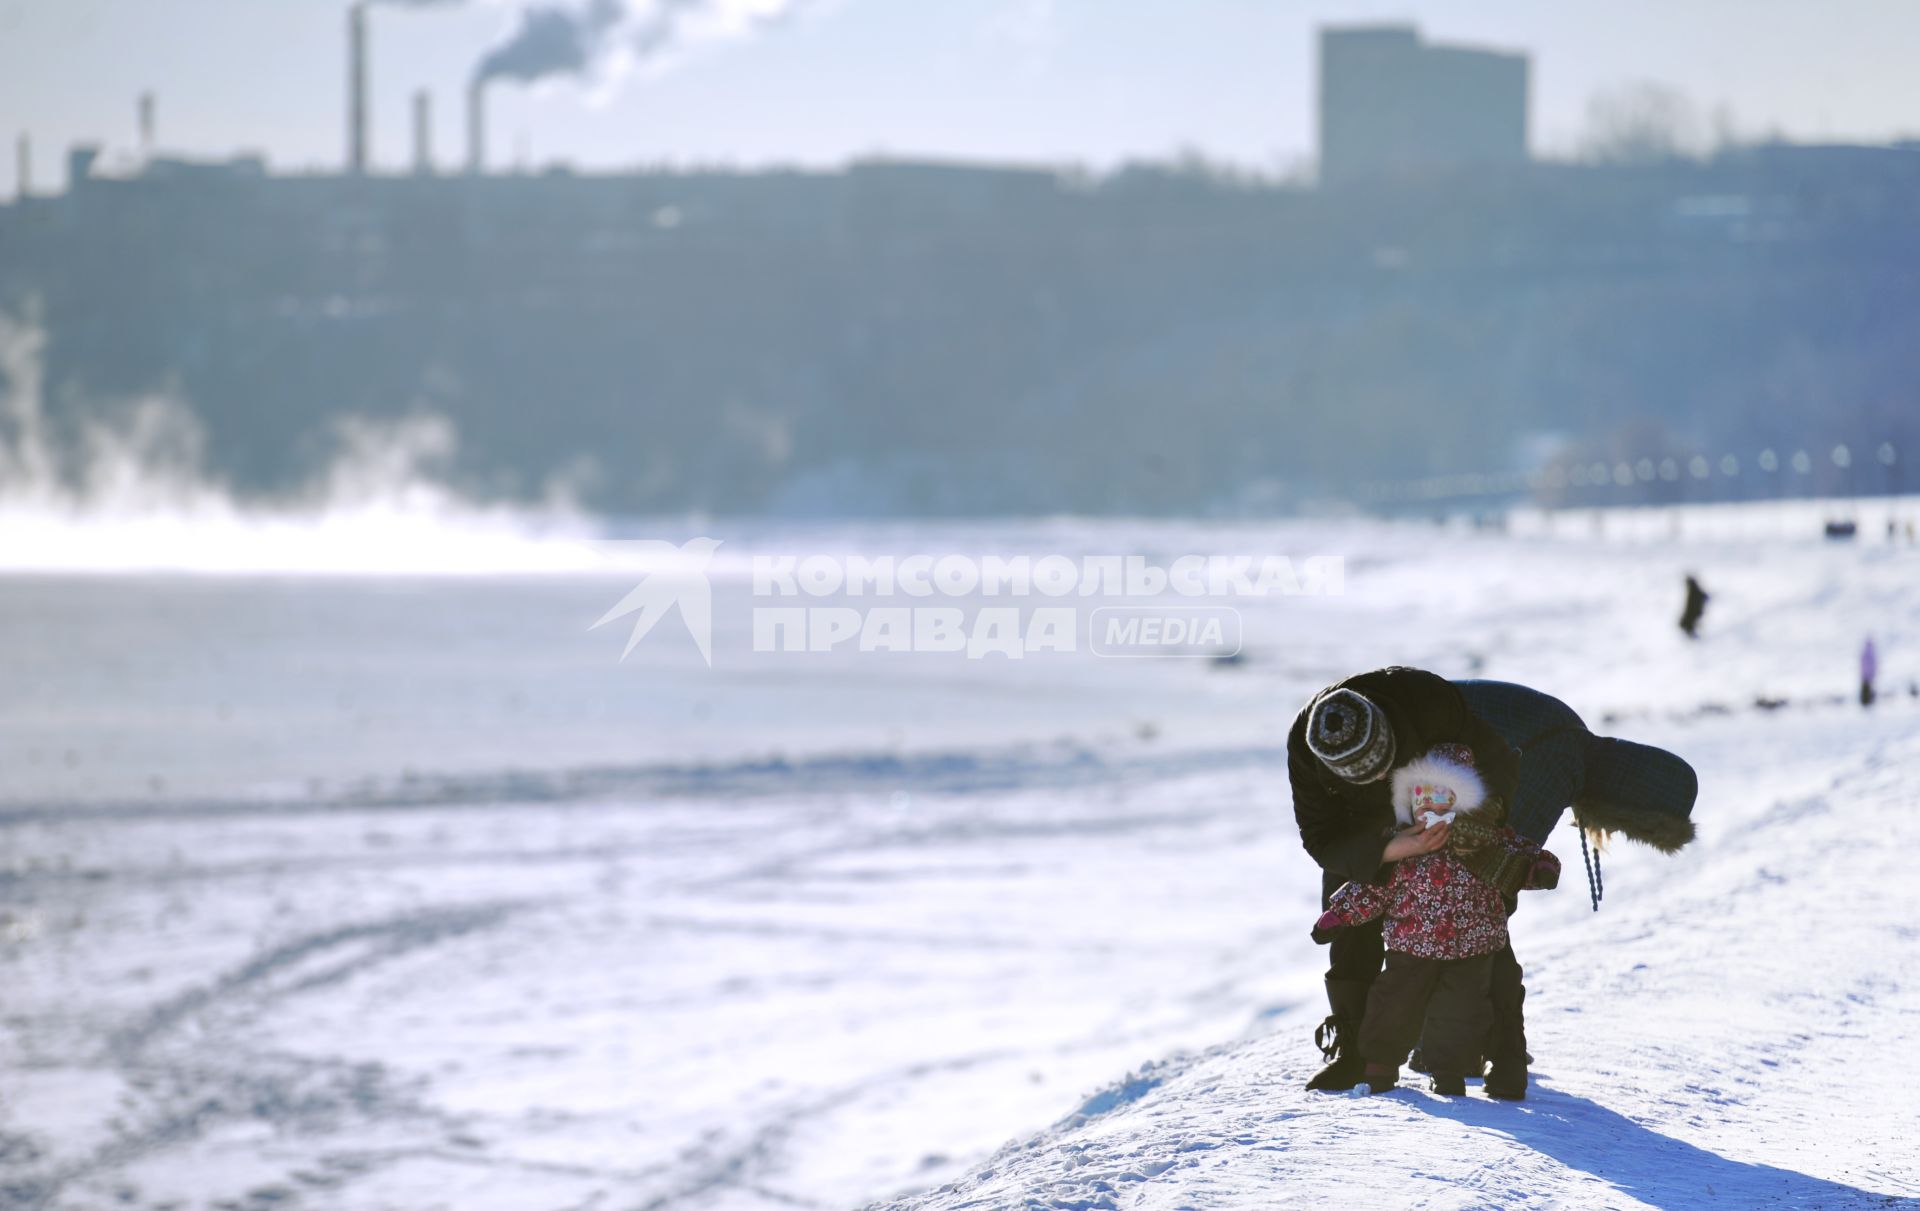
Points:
[1391,104]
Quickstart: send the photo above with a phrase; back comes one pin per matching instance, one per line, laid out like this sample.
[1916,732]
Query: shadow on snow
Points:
[1639,1161]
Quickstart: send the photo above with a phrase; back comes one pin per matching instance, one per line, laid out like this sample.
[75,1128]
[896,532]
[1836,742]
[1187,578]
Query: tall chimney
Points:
[357,89]
[146,124]
[477,127]
[23,164]
[423,133]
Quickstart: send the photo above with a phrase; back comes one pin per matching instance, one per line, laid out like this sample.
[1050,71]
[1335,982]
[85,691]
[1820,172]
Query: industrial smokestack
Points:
[23,164]
[146,124]
[423,133]
[357,89]
[477,126]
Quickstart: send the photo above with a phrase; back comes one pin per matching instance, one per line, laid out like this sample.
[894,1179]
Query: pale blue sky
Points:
[1090,81]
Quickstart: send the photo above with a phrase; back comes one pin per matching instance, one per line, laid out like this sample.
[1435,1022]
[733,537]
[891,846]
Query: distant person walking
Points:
[1869,671]
[1696,606]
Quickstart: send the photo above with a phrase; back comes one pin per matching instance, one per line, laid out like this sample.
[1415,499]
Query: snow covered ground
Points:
[1727,1031]
[379,892]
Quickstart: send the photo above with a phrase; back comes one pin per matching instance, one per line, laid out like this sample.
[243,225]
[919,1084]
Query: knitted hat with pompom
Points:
[1350,735]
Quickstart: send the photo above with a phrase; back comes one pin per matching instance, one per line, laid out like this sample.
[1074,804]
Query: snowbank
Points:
[1730,1030]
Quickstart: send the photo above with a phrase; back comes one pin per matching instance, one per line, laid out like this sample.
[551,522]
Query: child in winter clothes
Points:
[1445,921]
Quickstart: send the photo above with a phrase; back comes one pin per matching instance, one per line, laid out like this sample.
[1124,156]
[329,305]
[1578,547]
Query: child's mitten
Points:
[1328,925]
[1544,874]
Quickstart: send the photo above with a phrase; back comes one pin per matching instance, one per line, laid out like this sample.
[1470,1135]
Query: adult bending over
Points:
[1533,752]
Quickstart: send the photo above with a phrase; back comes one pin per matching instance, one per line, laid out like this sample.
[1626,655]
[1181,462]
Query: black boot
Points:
[1507,1040]
[1378,1078]
[1419,1064]
[1339,1037]
[1509,1084]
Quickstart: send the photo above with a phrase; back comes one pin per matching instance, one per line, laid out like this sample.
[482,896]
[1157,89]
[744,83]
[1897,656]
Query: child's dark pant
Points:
[1441,1004]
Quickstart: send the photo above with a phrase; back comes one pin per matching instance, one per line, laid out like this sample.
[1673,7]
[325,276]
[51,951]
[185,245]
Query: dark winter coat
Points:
[1345,825]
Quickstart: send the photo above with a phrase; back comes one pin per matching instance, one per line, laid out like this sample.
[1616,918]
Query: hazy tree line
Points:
[923,338]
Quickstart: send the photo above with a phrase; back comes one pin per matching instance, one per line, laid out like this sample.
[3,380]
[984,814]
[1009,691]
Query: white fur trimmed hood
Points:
[1469,792]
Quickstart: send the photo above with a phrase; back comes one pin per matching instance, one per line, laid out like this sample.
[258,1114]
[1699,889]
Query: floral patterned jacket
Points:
[1435,906]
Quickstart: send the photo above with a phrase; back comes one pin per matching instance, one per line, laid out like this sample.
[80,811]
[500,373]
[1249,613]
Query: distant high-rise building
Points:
[1391,104]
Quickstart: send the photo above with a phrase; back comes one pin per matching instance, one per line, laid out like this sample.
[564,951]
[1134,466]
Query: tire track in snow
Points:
[366,945]
[745,1166]
[210,1085]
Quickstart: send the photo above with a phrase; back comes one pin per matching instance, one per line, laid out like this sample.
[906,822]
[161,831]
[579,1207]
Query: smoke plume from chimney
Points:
[571,40]
[553,41]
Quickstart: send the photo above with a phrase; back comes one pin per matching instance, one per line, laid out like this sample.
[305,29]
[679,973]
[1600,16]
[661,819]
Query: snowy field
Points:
[1721,1034]
[350,891]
